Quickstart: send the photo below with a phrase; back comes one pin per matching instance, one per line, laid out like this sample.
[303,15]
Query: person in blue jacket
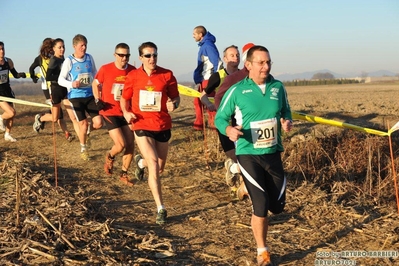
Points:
[208,62]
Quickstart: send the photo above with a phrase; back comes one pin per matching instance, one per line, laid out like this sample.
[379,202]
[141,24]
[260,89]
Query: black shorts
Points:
[265,181]
[227,144]
[82,105]
[58,94]
[8,93]
[113,122]
[160,136]
[46,94]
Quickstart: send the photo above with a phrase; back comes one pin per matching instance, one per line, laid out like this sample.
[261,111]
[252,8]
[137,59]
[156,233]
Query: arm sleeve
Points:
[127,92]
[14,73]
[286,109]
[223,114]
[213,83]
[34,65]
[173,91]
[64,79]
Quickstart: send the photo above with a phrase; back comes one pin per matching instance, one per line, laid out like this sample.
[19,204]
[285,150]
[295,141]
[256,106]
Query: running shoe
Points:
[108,165]
[161,217]
[84,155]
[2,125]
[37,124]
[264,259]
[9,138]
[126,179]
[68,136]
[231,178]
[139,172]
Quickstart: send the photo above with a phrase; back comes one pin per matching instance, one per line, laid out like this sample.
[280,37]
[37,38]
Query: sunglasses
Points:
[149,55]
[122,55]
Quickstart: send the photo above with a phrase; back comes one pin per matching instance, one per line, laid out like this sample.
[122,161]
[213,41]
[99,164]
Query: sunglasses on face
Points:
[124,55]
[150,55]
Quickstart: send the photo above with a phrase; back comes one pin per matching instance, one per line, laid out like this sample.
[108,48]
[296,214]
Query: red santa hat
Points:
[245,49]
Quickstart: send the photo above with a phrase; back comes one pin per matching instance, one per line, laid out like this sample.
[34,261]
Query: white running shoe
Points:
[2,126]
[37,124]
[9,138]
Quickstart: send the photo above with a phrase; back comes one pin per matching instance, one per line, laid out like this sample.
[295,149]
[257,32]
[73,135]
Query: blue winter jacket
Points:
[208,61]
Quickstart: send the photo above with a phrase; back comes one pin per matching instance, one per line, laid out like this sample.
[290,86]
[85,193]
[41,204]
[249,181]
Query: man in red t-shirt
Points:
[149,95]
[107,89]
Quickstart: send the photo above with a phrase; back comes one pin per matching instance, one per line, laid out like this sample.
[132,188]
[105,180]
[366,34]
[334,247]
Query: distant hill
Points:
[309,75]
[188,77]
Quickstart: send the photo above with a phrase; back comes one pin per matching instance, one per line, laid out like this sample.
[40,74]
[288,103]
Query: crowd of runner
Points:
[249,111]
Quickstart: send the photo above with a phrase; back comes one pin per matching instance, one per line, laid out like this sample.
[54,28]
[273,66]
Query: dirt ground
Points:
[340,208]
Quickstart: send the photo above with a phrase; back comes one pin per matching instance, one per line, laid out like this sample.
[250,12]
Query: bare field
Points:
[340,195]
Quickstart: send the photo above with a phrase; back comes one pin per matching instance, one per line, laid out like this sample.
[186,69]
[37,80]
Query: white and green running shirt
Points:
[258,113]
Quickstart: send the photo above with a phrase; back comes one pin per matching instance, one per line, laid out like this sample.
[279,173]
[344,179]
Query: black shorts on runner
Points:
[58,94]
[82,105]
[227,144]
[160,136]
[113,122]
[265,181]
[8,93]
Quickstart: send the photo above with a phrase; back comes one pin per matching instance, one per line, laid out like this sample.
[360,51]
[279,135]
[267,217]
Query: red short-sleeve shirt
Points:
[112,80]
[148,96]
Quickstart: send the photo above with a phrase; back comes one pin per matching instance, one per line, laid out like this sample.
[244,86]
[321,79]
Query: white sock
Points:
[234,168]
[6,134]
[82,147]
[140,163]
[261,250]
[160,207]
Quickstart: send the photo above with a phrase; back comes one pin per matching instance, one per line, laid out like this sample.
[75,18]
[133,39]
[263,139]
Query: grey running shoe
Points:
[138,172]
[37,124]
[2,125]
[231,178]
[161,217]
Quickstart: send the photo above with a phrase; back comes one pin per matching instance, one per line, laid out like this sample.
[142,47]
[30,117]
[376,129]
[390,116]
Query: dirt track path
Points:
[205,226]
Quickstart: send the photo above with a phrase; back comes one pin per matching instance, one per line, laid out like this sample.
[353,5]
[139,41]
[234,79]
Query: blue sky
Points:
[342,36]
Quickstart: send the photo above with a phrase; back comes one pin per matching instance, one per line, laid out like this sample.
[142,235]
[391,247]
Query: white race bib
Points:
[85,80]
[117,91]
[264,133]
[150,101]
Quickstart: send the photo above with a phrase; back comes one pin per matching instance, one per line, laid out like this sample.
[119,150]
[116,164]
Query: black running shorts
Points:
[160,136]
[113,122]
[265,181]
[82,105]
[58,94]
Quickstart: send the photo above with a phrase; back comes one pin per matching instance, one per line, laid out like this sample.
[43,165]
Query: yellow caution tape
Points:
[315,119]
[12,100]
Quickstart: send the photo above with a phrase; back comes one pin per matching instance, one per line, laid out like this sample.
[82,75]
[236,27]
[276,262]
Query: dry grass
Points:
[340,193]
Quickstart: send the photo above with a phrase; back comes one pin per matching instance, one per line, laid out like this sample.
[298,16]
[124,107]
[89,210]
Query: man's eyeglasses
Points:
[150,55]
[263,63]
[124,55]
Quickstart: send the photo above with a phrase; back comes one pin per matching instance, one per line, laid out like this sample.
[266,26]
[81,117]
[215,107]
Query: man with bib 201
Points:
[261,109]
